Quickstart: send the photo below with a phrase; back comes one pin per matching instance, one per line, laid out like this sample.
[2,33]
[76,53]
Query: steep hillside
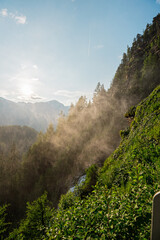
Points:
[138,73]
[120,205]
[100,121]
[35,115]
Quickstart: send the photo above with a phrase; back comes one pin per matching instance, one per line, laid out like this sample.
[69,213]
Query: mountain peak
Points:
[36,115]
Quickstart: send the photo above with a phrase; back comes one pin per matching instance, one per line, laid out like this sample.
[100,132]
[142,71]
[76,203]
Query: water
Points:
[81,180]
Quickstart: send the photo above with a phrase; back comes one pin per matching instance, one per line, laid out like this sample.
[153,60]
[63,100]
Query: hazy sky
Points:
[61,49]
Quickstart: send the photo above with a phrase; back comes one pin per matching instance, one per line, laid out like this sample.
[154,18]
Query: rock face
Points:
[35,115]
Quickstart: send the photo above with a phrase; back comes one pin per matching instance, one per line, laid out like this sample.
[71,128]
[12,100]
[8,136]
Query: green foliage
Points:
[67,200]
[3,224]
[150,60]
[124,133]
[88,185]
[37,220]
[131,112]
[138,73]
[121,203]
[108,214]
[82,190]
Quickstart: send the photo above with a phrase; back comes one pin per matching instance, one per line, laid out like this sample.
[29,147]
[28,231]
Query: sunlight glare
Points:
[26,90]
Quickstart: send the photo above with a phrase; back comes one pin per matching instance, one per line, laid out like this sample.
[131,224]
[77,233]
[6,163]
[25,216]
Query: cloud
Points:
[3,93]
[68,94]
[23,66]
[19,19]
[68,97]
[18,96]
[28,66]
[4,12]
[158,1]
[32,98]
[35,66]
[100,46]
[36,97]
[35,79]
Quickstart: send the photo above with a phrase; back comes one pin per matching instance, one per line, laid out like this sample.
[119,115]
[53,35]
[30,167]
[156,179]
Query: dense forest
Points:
[83,140]
[17,137]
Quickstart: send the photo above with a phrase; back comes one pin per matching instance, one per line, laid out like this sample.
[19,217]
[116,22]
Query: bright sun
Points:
[26,90]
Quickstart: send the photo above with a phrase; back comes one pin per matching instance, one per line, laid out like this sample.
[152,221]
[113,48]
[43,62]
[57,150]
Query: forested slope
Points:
[15,141]
[20,138]
[138,73]
[120,204]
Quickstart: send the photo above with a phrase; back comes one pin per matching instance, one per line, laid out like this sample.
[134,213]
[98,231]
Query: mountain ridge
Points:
[36,115]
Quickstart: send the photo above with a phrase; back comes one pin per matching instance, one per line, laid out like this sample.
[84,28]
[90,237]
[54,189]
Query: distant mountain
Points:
[35,115]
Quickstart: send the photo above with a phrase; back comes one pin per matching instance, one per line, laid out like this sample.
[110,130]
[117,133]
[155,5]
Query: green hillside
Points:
[138,73]
[120,205]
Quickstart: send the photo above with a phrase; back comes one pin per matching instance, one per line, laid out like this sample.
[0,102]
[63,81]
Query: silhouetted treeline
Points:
[15,136]
[14,143]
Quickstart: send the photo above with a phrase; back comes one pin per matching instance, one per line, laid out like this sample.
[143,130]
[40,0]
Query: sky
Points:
[60,49]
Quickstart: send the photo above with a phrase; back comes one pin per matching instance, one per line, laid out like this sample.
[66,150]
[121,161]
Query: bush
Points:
[67,200]
[38,216]
[3,224]
[131,112]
